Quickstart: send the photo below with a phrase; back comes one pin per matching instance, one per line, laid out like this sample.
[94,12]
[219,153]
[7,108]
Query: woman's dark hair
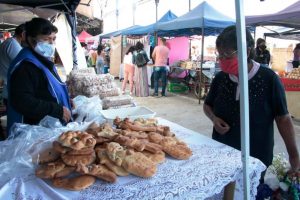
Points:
[228,40]
[39,26]
[130,50]
[19,30]
[297,46]
[99,49]
[259,41]
[139,46]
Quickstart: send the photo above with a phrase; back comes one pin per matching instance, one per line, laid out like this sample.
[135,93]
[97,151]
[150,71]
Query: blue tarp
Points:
[150,29]
[204,15]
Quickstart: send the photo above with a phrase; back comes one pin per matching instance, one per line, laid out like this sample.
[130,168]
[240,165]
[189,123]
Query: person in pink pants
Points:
[128,70]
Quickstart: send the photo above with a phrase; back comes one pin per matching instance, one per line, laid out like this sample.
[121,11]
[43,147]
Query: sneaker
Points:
[130,93]
[163,95]
[154,95]
[123,92]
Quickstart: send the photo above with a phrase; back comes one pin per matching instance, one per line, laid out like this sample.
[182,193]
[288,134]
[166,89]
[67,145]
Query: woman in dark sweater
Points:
[35,89]
[267,103]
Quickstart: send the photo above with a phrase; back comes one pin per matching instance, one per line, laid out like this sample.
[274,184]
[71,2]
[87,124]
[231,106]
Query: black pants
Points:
[295,64]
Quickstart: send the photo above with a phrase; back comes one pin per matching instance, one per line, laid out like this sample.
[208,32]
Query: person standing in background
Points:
[262,55]
[140,74]
[9,49]
[128,70]
[100,60]
[160,55]
[296,59]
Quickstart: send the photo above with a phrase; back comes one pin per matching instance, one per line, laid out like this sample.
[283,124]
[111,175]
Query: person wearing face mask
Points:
[267,103]
[34,87]
[262,55]
[9,49]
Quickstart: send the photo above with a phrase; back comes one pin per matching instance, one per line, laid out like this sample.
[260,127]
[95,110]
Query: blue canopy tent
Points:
[202,20]
[202,16]
[119,32]
[150,29]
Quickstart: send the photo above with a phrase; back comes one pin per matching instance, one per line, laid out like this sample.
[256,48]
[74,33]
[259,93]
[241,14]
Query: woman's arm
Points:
[287,132]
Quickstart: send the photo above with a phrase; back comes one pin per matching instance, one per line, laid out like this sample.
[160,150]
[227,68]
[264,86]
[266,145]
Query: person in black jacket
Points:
[262,55]
[35,89]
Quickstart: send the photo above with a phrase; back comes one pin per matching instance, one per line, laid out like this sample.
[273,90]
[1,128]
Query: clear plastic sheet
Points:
[88,109]
[19,153]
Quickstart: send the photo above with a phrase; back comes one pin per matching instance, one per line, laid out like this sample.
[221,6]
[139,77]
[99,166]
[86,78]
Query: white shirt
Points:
[128,59]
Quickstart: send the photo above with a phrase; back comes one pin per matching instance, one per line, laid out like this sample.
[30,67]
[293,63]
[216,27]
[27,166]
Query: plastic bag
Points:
[19,152]
[88,109]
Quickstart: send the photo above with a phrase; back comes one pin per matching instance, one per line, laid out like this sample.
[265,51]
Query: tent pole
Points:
[71,18]
[244,96]
[201,65]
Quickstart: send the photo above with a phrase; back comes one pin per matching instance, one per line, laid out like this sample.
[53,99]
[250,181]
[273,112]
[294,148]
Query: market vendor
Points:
[267,102]
[34,87]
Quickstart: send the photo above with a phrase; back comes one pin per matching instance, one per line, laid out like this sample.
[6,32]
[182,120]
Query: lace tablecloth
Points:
[212,166]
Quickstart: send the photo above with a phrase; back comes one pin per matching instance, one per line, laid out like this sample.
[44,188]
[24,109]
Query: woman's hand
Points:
[66,114]
[220,125]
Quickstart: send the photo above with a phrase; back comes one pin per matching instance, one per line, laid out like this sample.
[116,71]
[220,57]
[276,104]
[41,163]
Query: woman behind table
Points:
[35,89]
[262,55]
[267,103]
[100,60]
[128,70]
[141,76]
[296,59]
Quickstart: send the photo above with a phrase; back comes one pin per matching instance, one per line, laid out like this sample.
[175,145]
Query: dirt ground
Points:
[185,110]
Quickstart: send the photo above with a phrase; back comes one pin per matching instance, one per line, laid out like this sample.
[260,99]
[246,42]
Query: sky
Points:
[145,10]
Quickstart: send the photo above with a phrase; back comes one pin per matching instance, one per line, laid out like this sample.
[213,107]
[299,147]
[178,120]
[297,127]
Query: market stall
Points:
[204,175]
[288,17]
[291,83]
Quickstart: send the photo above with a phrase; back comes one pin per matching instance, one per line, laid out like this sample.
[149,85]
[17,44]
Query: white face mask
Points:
[45,49]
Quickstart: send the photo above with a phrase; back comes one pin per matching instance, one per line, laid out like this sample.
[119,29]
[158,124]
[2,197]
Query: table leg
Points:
[229,191]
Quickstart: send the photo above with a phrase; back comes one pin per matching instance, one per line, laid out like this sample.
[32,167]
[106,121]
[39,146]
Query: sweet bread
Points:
[47,155]
[73,160]
[157,158]
[179,151]
[53,170]
[76,183]
[60,148]
[155,137]
[84,151]
[130,142]
[138,164]
[99,171]
[115,153]
[77,140]
[103,159]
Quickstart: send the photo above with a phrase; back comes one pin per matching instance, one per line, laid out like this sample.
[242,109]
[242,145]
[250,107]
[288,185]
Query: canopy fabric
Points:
[62,5]
[204,15]
[288,17]
[150,29]
[83,36]
[119,32]
[15,15]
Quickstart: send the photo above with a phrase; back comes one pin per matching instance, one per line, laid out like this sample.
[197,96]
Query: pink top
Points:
[161,54]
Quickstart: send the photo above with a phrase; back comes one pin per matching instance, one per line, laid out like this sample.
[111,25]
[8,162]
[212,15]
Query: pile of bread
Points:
[77,158]
[86,82]
[294,74]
